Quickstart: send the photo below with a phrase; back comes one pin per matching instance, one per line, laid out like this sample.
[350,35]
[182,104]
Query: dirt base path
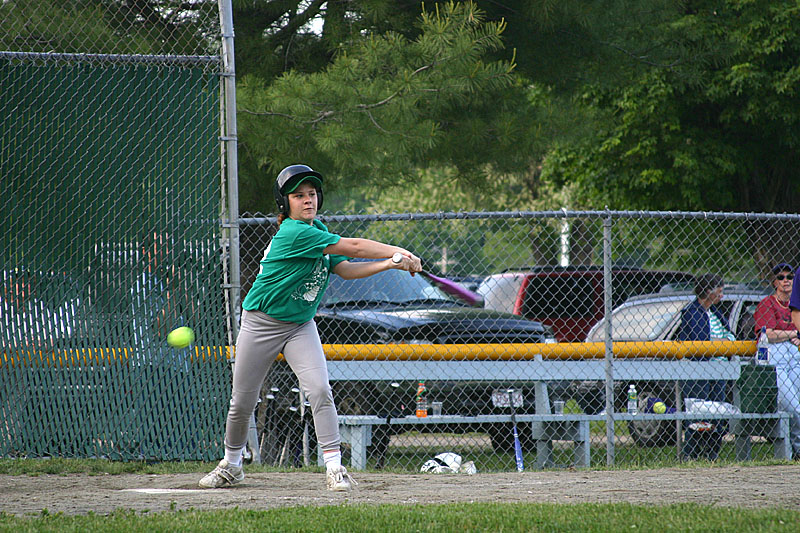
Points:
[739,486]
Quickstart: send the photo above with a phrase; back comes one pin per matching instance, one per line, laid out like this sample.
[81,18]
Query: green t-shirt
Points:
[294,272]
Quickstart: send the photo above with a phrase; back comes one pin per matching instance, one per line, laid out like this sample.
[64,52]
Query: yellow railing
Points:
[516,352]
[407,352]
[97,356]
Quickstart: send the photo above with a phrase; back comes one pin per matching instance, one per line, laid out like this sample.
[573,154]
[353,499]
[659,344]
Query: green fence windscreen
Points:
[110,207]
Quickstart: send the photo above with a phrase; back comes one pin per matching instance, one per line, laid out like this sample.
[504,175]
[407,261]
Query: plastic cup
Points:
[558,407]
[436,408]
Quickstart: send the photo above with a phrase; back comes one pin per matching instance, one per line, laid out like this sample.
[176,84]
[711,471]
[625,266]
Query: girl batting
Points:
[278,316]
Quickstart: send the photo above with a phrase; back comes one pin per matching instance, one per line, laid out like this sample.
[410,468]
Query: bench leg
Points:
[583,445]
[576,431]
[544,453]
[252,440]
[544,448]
[359,437]
[783,443]
[779,432]
[380,445]
[744,447]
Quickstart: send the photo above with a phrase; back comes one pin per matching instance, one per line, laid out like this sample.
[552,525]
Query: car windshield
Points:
[392,286]
[645,321]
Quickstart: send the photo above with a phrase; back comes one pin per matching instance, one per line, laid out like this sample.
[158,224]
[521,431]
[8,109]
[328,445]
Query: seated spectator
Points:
[702,321]
[775,315]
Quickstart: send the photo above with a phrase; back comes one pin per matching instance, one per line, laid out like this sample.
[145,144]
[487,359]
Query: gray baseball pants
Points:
[261,339]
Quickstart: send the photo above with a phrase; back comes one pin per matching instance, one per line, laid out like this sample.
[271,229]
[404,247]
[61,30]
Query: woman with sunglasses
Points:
[774,314]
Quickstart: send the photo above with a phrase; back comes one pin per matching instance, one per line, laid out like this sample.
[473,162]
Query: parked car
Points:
[657,317]
[42,310]
[395,307]
[570,299]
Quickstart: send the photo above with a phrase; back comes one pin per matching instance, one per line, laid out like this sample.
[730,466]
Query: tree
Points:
[388,106]
[111,26]
[715,128]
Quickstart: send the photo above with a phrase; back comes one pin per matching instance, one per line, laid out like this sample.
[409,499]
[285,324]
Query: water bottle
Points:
[762,348]
[633,399]
[422,400]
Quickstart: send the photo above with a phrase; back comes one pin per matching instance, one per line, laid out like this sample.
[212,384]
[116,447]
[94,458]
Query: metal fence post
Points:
[229,145]
[229,139]
[609,348]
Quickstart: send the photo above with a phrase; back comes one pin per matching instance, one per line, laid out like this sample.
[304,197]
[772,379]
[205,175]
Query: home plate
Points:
[163,491]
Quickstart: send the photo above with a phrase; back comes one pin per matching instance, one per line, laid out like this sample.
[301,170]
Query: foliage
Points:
[664,105]
[388,106]
[717,129]
[110,26]
[477,247]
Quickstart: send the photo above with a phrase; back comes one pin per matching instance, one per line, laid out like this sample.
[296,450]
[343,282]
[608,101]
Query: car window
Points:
[745,328]
[626,284]
[389,286]
[559,297]
[644,321]
[726,308]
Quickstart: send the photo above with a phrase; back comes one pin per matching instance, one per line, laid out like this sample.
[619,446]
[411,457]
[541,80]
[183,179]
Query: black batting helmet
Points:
[289,179]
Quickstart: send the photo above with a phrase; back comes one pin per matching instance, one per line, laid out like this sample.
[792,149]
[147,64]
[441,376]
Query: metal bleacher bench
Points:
[357,430]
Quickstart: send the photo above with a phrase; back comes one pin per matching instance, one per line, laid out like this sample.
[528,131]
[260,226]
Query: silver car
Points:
[657,317]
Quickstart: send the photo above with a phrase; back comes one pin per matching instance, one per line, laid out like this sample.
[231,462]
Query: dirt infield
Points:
[738,486]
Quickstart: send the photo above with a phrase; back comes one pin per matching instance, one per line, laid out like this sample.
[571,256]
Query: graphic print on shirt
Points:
[309,289]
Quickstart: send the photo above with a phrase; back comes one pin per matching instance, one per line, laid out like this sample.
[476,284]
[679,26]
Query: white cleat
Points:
[224,475]
[339,480]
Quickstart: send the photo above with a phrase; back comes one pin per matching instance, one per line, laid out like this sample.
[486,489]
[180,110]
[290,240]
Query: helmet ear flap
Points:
[281,200]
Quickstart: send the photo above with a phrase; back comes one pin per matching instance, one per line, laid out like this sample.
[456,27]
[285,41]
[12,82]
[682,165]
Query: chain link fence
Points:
[543,283]
[111,199]
[117,154]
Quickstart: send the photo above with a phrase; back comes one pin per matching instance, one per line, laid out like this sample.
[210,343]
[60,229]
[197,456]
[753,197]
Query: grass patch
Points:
[402,460]
[429,518]
[55,465]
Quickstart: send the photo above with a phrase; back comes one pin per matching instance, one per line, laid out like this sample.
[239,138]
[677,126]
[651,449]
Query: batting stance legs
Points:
[261,339]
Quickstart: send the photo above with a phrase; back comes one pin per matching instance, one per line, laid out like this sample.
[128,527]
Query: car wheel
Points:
[651,433]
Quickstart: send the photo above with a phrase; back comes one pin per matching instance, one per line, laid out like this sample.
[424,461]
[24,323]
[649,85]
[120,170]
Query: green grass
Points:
[403,460]
[33,467]
[429,518]
[383,518]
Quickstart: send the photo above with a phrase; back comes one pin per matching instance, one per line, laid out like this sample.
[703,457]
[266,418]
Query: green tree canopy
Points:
[714,128]
[110,26]
[655,104]
[389,106]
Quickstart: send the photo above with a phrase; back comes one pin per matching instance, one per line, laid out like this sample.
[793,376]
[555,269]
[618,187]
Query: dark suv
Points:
[569,299]
[395,308]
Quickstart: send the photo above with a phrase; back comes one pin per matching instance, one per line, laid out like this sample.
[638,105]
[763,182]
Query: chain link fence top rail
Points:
[110,202]
[541,279]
